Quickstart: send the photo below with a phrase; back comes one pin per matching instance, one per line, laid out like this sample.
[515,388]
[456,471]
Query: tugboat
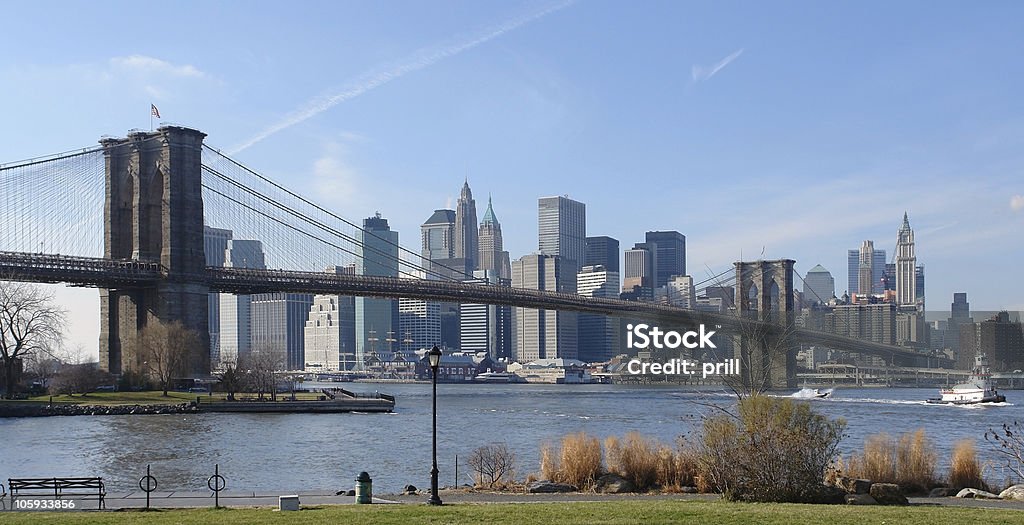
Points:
[978,389]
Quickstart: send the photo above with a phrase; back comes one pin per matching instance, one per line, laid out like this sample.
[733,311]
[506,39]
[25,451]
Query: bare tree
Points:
[493,464]
[164,351]
[232,380]
[1009,444]
[263,360]
[30,323]
[79,378]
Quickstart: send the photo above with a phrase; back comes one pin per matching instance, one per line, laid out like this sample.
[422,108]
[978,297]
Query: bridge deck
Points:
[107,273]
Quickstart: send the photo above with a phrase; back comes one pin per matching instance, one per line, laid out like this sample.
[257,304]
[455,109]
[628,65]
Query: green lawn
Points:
[121,398]
[154,397]
[633,511]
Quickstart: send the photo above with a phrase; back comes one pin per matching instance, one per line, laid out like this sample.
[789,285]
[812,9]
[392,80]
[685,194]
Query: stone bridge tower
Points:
[153,212]
[764,292]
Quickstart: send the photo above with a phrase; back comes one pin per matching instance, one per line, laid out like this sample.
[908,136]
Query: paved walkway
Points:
[164,499]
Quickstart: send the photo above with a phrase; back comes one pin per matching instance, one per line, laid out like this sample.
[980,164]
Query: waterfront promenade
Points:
[244,499]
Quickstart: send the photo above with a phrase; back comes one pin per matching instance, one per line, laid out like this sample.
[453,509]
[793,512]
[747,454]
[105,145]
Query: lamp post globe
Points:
[434,356]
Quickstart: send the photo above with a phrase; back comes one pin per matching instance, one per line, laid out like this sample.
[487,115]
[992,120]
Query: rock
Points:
[409,490]
[976,493]
[853,486]
[828,495]
[614,484]
[547,487]
[688,490]
[1015,492]
[888,494]
[942,492]
[350,492]
[860,499]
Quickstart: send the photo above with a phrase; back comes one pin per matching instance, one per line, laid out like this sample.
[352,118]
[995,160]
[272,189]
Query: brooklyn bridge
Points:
[127,217]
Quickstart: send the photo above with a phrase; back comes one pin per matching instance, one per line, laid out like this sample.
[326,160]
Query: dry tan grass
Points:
[581,460]
[548,463]
[635,458]
[908,461]
[916,459]
[964,469]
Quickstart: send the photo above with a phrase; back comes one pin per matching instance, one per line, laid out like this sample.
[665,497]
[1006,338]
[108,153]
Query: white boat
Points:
[977,389]
[820,394]
[495,377]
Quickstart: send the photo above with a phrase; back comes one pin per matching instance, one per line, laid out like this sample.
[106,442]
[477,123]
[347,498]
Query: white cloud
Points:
[1017,202]
[701,73]
[150,65]
[334,181]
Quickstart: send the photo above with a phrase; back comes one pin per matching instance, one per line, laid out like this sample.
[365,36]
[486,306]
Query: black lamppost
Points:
[434,355]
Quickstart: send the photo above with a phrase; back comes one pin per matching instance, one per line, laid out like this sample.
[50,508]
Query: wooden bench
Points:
[58,488]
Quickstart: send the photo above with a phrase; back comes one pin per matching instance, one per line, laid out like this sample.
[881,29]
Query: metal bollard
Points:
[364,488]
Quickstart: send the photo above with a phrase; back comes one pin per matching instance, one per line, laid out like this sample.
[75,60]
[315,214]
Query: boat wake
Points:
[811,393]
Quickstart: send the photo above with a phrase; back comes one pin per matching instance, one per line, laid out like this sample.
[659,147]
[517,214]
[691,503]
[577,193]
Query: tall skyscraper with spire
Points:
[467,243]
[906,264]
[492,255]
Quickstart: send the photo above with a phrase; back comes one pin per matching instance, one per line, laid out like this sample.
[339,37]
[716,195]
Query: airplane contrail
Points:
[374,78]
[700,73]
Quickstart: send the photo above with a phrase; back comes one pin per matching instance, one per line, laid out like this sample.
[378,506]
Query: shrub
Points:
[908,461]
[775,450]
[964,469]
[493,465]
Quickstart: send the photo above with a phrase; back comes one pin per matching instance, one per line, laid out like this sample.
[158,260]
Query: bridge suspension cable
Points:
[53,204]
[304,215]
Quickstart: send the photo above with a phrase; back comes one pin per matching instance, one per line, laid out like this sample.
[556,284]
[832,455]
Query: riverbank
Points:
[154,402]
[636,509]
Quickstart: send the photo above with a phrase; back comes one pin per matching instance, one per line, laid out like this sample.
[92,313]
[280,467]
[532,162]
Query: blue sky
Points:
[796,128]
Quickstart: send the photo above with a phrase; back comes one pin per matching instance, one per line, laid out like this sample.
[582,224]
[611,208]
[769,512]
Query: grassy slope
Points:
[635,511]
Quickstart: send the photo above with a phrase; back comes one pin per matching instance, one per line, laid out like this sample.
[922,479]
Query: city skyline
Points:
[659,129]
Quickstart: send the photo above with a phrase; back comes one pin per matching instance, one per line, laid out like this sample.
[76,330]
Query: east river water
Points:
[304,452]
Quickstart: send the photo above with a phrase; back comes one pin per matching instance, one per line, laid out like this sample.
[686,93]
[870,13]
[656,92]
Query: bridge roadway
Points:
[107,273]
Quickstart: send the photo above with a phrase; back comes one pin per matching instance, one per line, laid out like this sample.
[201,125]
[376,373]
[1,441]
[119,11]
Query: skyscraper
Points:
[467,243]
[378,255]
[493,256]
[235,328]
[819,286]
[562,229]
[278,323]
[330,342]
[486,327]
[419,324]
[865,268]
[598,334]
[602,251]
[668,255]
[540,334]
[638,271]
[215,241]
[959,314]
[878,261]
[906,265]
[438,235]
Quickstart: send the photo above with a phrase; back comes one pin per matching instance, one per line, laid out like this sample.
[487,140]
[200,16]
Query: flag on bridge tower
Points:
[153,111]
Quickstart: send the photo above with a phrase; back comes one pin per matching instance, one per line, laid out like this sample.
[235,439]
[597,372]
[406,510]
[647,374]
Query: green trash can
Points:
[364,488]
